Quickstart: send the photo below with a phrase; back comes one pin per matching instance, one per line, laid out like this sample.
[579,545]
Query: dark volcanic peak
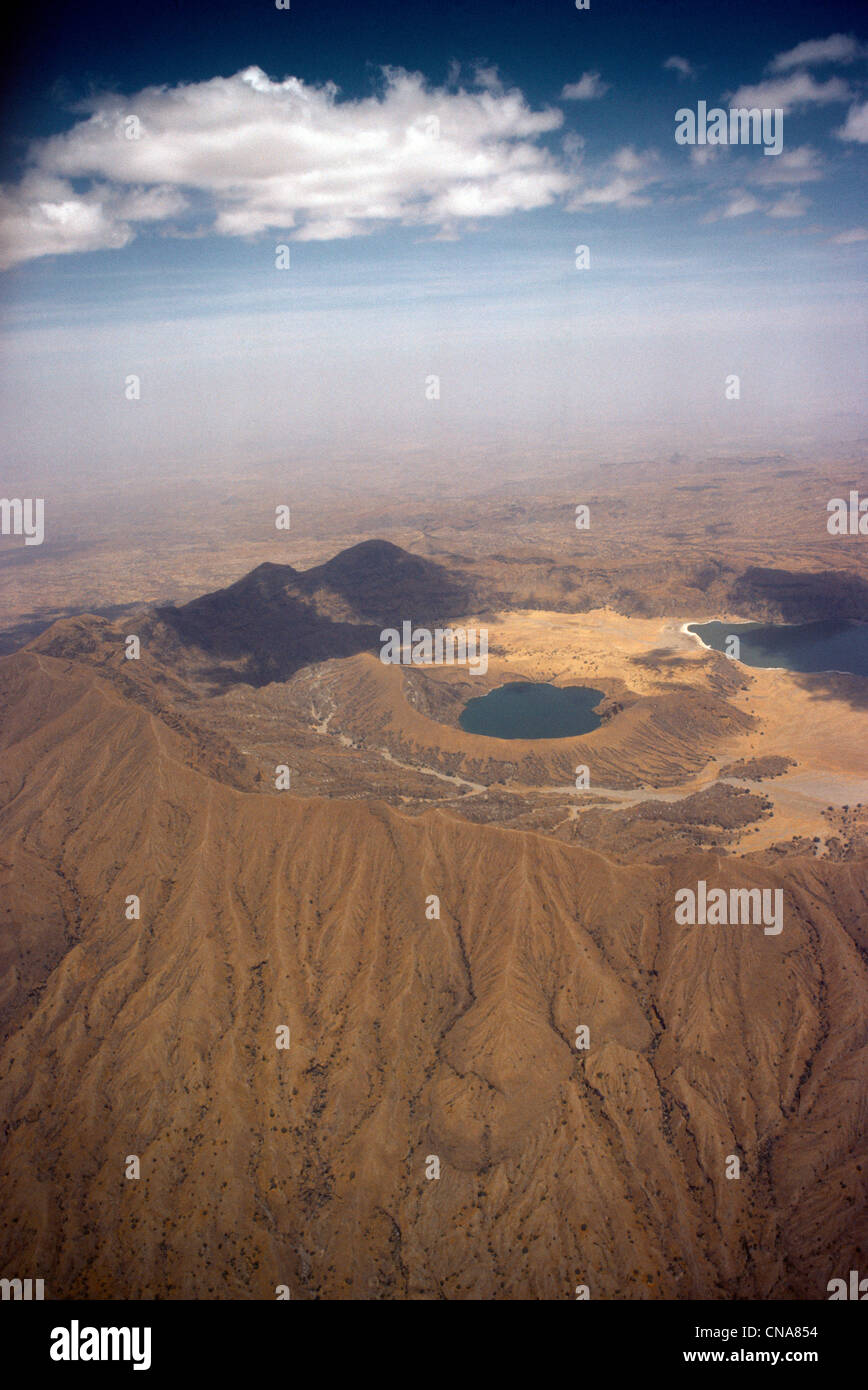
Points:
[267,578]
[358,558]
[383,582]
[277,619]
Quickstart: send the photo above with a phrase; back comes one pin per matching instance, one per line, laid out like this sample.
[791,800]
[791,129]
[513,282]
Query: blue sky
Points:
[432,169]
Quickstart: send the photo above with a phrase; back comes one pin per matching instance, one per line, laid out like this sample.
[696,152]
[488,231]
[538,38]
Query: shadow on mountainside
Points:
[276,619]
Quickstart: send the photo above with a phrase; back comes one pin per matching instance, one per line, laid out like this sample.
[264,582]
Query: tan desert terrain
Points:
[434,916]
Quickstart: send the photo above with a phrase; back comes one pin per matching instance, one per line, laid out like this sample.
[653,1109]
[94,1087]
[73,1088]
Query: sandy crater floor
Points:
[821,724]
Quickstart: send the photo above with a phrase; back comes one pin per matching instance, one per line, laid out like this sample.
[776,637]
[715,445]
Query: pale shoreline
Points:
[699,622]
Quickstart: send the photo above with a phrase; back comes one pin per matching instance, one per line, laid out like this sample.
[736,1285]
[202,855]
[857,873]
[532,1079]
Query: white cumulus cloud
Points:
[588,88]
[680,65]
[802,164]
[791,204]
[740,205]
[43,216]
[856,125]
[627,177]
[851,237]
[789,93]
[837,48]
[284,156]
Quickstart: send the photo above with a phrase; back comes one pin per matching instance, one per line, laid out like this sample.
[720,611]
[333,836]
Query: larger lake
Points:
[526,710]
[828,645]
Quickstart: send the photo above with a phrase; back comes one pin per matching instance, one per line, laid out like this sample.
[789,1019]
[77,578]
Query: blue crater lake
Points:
[527,710]
[829,645]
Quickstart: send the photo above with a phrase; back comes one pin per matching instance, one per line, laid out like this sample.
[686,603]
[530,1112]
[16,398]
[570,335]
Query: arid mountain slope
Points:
[410,1038]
